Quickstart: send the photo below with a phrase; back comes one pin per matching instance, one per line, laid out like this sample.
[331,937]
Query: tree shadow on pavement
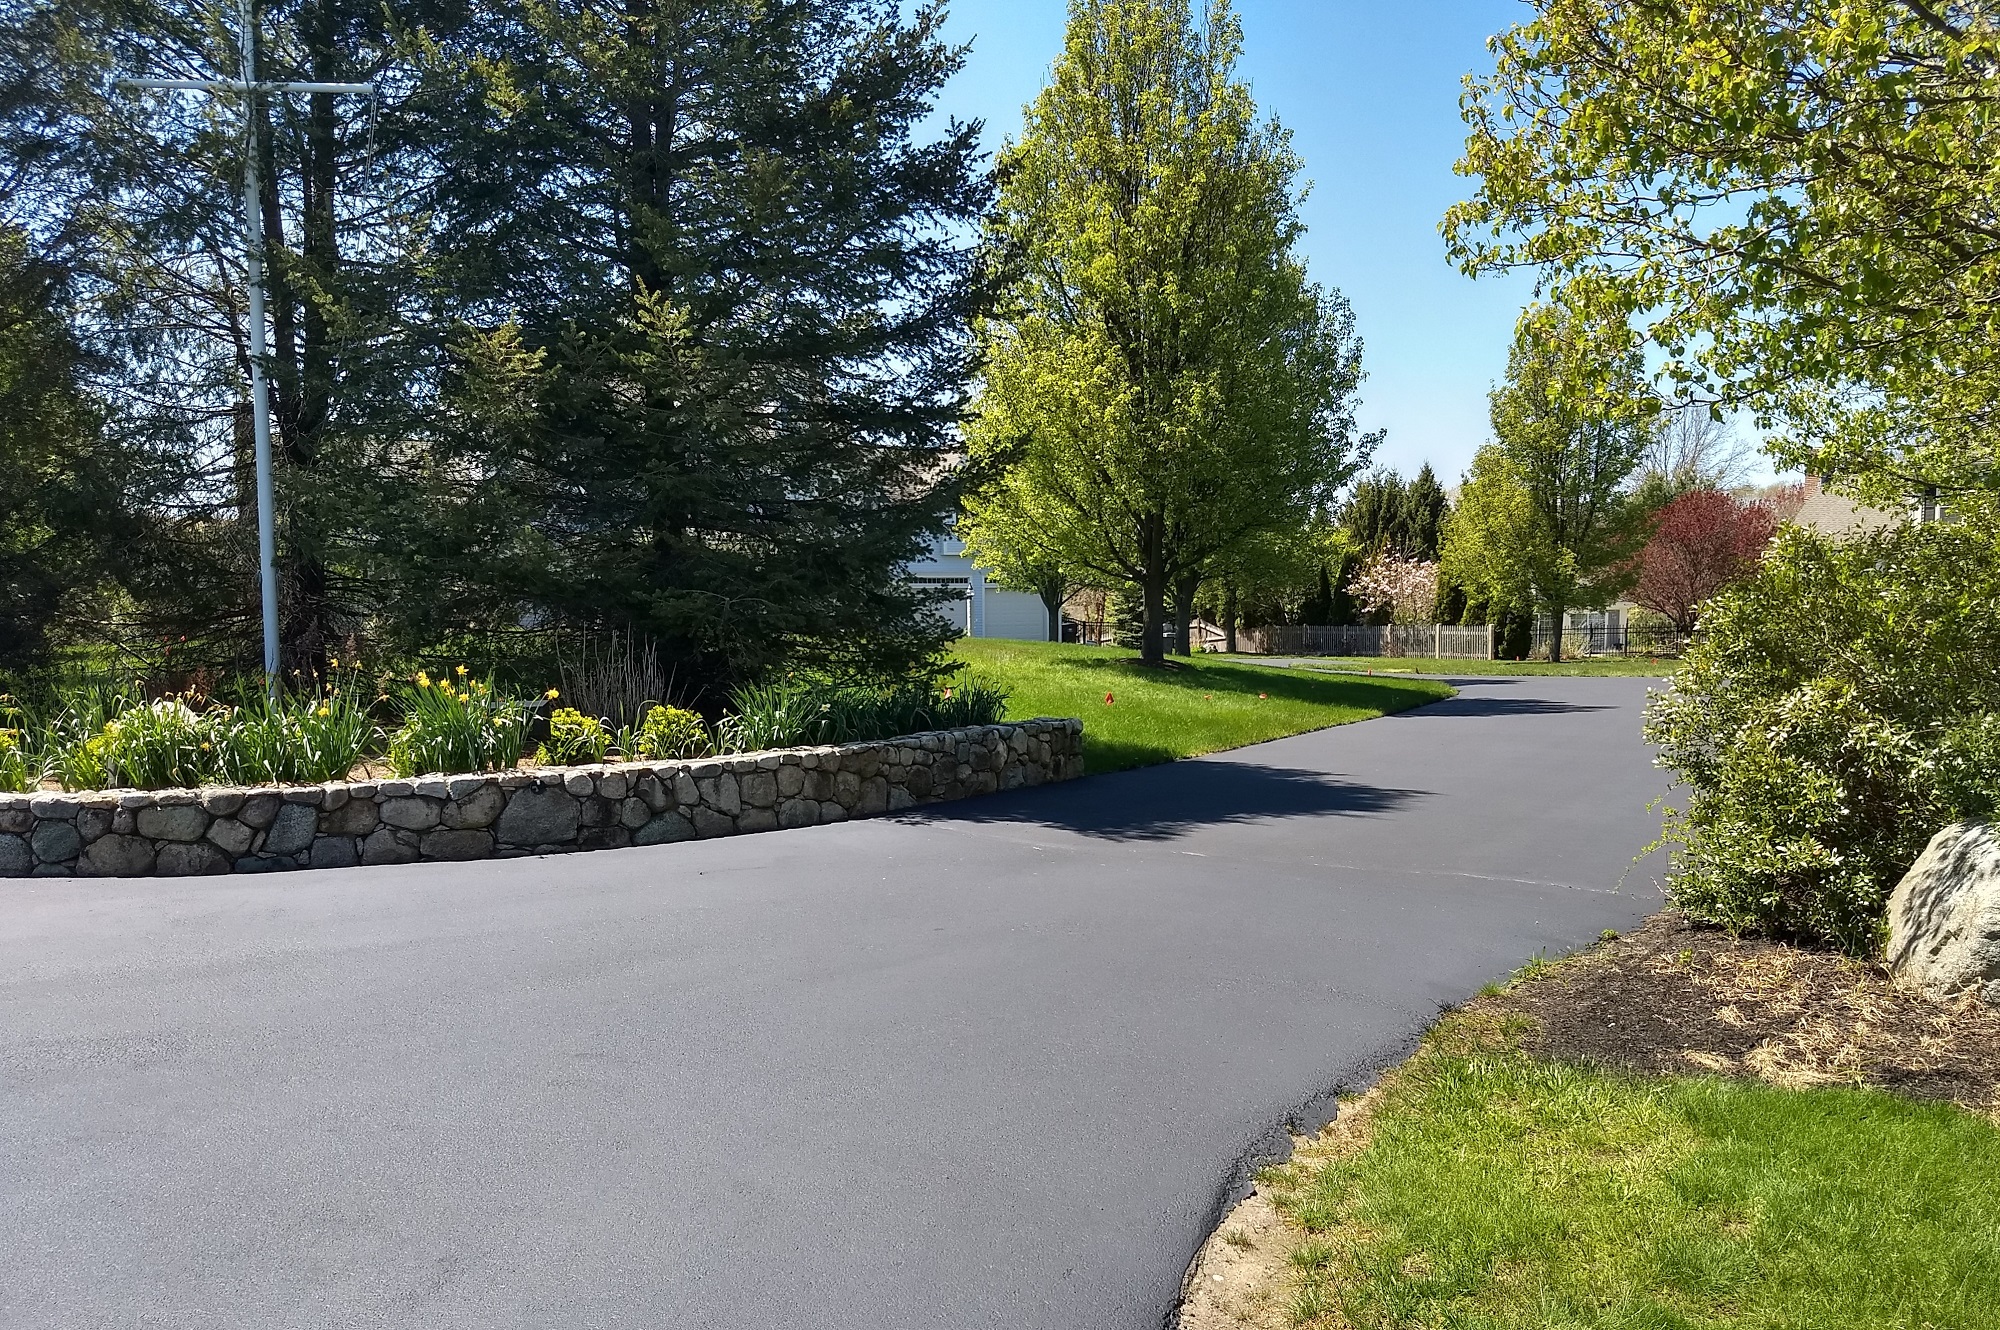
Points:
[1502,706]
[1159,803]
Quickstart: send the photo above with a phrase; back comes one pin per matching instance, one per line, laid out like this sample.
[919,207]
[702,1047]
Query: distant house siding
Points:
[1015,614]
[974,605]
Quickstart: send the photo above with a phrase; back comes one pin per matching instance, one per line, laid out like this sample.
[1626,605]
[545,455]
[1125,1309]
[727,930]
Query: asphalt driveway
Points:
[998,1064]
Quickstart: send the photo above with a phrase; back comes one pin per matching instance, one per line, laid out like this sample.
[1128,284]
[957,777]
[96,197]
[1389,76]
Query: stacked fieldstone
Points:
[123,833]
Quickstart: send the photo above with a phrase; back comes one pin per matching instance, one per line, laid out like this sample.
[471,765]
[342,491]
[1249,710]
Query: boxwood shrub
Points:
[1837,708]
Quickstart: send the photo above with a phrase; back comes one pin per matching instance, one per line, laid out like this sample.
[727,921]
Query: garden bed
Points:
[553,810]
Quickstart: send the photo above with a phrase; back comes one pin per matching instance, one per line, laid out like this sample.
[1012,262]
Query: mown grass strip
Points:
[1569,669]
[1508,1192]
[1195,706]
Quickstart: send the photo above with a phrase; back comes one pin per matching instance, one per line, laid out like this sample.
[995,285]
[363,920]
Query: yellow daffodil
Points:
[461,671]
[552,694]
[326,711]
[423,679]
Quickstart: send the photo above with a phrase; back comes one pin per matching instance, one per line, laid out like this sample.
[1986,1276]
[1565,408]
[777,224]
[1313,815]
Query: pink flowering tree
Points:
[1405,589]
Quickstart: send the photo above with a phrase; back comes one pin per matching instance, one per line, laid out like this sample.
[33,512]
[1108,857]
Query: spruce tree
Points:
[710,389]
[63,512]
[1424,509]
[137,197]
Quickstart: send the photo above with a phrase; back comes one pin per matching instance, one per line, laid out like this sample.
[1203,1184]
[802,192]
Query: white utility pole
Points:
[253,259]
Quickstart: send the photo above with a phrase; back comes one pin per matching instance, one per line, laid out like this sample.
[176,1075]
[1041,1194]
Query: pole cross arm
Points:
[238,85]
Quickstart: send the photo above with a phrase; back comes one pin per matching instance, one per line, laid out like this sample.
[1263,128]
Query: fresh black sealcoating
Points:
[993,1064]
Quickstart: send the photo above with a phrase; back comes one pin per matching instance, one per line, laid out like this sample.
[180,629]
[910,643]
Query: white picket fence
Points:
[1438,641]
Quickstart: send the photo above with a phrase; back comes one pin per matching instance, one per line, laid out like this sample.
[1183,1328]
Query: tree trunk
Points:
[1153,595]
[1052,593]
[1184,594]
[303,351]
[1229,617]
[1556,613]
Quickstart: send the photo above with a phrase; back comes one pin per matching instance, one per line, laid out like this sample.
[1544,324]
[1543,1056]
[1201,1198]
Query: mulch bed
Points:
[1673,997]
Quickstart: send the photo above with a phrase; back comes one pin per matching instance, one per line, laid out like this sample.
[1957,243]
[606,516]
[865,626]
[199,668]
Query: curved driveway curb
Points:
[994,1064]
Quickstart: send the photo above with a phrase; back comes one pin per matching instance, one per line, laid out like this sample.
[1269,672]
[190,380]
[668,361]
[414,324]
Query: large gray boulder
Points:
[1944,916]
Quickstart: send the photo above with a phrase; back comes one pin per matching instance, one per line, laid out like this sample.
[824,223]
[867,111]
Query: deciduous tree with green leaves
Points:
[1163,382]
[1545,518]
[1795,197]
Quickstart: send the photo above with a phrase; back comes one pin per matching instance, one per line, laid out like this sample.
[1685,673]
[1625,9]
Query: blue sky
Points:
[1370,93]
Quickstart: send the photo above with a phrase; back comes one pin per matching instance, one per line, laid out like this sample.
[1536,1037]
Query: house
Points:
[1840,517]
[980,608]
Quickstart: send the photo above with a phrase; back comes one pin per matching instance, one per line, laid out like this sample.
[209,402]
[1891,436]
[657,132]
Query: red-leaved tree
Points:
[1701,542]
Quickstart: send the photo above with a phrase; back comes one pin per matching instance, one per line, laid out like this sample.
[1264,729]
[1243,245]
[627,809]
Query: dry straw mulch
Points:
[1672,998]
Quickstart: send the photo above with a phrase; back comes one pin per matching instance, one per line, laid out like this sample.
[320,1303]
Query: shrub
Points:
[573,737]
[669,732]
[1838,706]
[459,726]
[792,712]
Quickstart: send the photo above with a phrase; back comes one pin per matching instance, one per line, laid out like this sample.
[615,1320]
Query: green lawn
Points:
[1639,665]
[1194,706]
[1501,1191]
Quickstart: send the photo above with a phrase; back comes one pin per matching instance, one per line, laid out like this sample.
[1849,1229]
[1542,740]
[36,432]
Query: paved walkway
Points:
[995,1065]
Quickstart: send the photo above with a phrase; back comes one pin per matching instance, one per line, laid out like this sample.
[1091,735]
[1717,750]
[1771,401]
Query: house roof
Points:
[1838,516]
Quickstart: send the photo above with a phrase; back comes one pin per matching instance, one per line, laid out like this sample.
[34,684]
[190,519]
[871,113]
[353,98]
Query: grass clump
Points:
[302,738]
[455,725]
[1499,1190]
[16,772]
[790,712]
[1651,667]
[1198,705]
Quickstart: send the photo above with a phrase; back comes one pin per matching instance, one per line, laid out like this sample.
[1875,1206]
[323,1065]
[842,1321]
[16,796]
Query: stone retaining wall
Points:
[550,810]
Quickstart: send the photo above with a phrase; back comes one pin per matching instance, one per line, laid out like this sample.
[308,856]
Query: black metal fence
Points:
[1647,642]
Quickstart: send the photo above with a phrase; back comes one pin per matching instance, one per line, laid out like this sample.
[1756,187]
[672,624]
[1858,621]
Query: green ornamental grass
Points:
[16,773]
[302,738]
[459,725]
[160,745]
[787,713]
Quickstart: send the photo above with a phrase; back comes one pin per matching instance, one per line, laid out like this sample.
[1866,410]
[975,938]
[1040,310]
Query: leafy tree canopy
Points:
[1163,382]
[1796,199]
[1546,517]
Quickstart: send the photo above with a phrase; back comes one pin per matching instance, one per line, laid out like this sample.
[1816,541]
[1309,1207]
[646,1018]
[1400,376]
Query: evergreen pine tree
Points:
[1423,512]
[62,496]
[136,195]
[712,389]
